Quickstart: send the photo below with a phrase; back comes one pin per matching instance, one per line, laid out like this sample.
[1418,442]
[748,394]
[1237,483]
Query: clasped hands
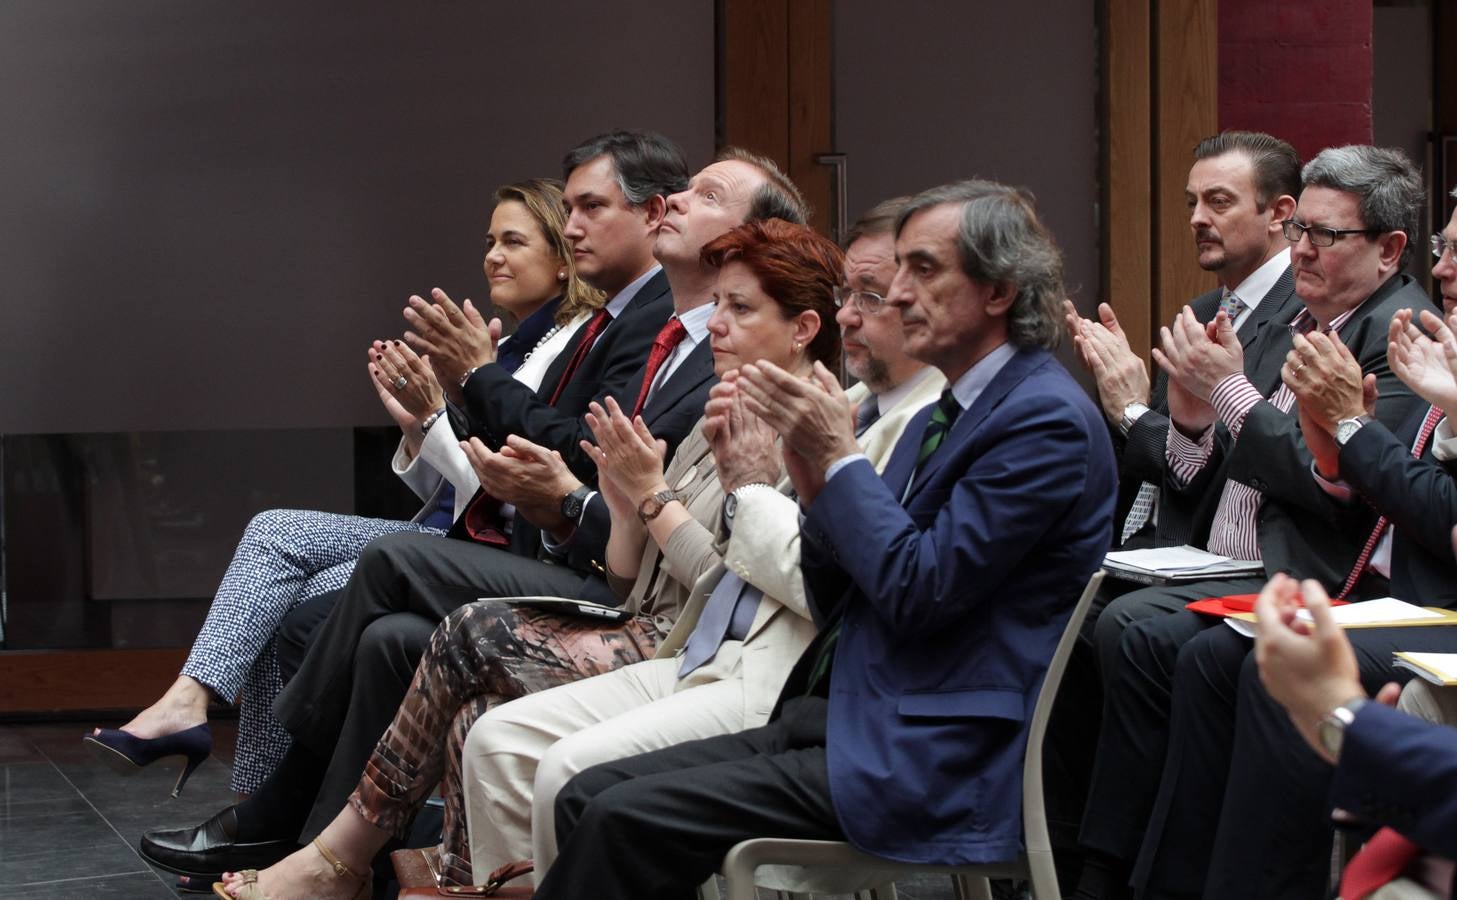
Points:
[812,416]
[1197,357]
[1121,377]
[455,338]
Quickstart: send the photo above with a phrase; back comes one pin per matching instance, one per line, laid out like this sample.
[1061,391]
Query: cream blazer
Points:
[763,550]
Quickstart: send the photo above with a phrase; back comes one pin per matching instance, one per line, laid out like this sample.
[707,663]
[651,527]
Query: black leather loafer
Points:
[210,848]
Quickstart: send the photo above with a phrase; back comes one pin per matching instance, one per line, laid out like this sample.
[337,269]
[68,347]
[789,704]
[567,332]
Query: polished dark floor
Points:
[69,825]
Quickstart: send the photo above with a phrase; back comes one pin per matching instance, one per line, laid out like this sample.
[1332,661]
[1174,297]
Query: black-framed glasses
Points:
[868,303]
[1441,245]
[1320,236]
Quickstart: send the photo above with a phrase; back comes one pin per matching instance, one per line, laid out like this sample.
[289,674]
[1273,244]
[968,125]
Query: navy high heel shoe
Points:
[127,753]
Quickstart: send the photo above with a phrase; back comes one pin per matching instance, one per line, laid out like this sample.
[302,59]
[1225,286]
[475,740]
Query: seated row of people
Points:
[961,285]
[1316,443]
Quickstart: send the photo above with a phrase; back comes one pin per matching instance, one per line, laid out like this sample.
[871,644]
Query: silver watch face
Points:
[1346,430]
[730,505]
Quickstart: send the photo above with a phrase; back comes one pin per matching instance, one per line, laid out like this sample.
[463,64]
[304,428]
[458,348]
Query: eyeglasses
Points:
[1320,236]
[868,303]
[1441,245]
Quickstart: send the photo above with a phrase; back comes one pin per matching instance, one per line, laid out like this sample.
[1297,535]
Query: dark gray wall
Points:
[210,209]
[931,92]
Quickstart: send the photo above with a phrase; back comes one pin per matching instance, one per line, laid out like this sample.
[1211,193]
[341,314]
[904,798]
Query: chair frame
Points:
[1035,863]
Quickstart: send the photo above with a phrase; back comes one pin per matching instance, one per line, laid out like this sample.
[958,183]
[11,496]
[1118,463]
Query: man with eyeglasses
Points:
[1243,792]
[871,335]
[1239,450]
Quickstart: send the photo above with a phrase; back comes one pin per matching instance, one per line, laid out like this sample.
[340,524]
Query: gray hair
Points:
[1002,241]
[778,197]
[1386,182]
[647,164]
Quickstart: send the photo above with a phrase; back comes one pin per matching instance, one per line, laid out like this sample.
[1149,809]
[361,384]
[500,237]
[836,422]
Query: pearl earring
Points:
[562,275]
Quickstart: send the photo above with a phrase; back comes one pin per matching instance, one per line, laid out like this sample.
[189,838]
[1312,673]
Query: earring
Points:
[798,346]
[562,275]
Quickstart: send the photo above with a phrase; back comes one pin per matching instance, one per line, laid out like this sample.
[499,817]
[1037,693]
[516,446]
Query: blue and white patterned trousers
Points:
[285,557]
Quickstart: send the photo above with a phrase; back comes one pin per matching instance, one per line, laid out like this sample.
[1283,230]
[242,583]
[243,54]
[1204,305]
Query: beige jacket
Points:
[763,550]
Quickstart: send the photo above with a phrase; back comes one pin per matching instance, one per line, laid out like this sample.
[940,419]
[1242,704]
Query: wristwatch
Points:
[731,502]
[1332,729]
[1347,428]
[573,502]
[649,508]
[1131,414]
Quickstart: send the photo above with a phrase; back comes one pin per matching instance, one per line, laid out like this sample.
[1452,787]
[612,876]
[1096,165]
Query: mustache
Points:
[1205,235]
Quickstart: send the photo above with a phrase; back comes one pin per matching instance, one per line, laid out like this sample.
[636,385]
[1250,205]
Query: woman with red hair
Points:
[774,305]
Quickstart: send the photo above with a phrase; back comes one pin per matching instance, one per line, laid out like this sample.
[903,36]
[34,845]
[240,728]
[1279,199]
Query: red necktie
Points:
[1429,424]
[669,337]
[589,337]
[1378,863]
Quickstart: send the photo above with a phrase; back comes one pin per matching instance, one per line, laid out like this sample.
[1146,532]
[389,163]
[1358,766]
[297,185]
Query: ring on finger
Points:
[400,382]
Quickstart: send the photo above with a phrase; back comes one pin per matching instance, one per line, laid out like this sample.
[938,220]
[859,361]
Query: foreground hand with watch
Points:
[1309,667]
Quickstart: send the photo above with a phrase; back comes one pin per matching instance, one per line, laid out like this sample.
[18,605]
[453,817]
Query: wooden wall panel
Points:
[54,680]
[1186,104]
[811,120]
[774,88]
[1127,186]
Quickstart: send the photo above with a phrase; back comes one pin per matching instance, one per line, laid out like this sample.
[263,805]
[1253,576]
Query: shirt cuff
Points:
[1185,456]
[1233,398]
[1444,443]
[841,463]
[1336,490]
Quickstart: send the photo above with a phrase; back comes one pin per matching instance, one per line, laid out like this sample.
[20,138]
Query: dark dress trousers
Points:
[950,603]
[1232,748]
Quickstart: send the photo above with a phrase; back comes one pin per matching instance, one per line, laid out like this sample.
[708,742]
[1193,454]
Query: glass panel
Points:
[119,540]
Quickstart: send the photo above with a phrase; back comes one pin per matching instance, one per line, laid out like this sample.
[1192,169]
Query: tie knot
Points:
[1231,305]
[671,333]
[948,407]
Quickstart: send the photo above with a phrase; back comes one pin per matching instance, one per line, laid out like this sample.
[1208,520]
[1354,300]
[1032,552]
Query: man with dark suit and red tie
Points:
[941,589]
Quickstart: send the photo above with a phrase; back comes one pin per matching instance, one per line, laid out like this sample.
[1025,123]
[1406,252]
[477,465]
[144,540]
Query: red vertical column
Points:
[1300,71]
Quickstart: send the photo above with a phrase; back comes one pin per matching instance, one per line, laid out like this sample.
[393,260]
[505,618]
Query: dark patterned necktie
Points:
[942,418]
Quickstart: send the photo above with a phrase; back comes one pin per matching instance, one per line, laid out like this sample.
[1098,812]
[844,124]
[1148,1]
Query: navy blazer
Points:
[1398,770]
[953,605]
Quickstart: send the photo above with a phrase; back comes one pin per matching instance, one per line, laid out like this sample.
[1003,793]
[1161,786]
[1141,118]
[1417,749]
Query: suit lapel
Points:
[697,368]
[1270,306]
[1016,369]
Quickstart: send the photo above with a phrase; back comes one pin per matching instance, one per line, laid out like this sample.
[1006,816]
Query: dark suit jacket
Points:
[952,606]
[1398,770]
[1419,496]
[1301,530]
[498,406]
[1141,454]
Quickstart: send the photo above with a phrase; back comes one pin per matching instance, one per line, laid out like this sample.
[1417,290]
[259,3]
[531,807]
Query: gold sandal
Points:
[251,890]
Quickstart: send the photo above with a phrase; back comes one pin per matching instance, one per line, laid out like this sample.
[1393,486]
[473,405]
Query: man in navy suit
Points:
[941,589]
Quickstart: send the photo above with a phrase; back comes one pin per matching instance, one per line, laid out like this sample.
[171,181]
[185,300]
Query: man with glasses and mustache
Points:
[1238,449]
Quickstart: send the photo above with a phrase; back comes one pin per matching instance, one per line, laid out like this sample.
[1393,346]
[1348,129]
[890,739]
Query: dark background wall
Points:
[941,91]
[210,209]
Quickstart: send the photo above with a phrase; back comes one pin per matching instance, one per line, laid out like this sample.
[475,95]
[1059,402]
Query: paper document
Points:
[1383,612]
[1438,668]
[1185,563]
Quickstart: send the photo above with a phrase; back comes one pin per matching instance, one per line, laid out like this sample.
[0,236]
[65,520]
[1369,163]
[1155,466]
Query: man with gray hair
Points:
[1349,239]
[940,588]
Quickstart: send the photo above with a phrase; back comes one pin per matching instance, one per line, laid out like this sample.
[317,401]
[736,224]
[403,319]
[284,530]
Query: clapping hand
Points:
[406,387]
[743,446]
[1323,375]
[456,338]
[1122,377]
[626,453]
[528,476]
[1422,362]
[811,414]
[1199,356]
